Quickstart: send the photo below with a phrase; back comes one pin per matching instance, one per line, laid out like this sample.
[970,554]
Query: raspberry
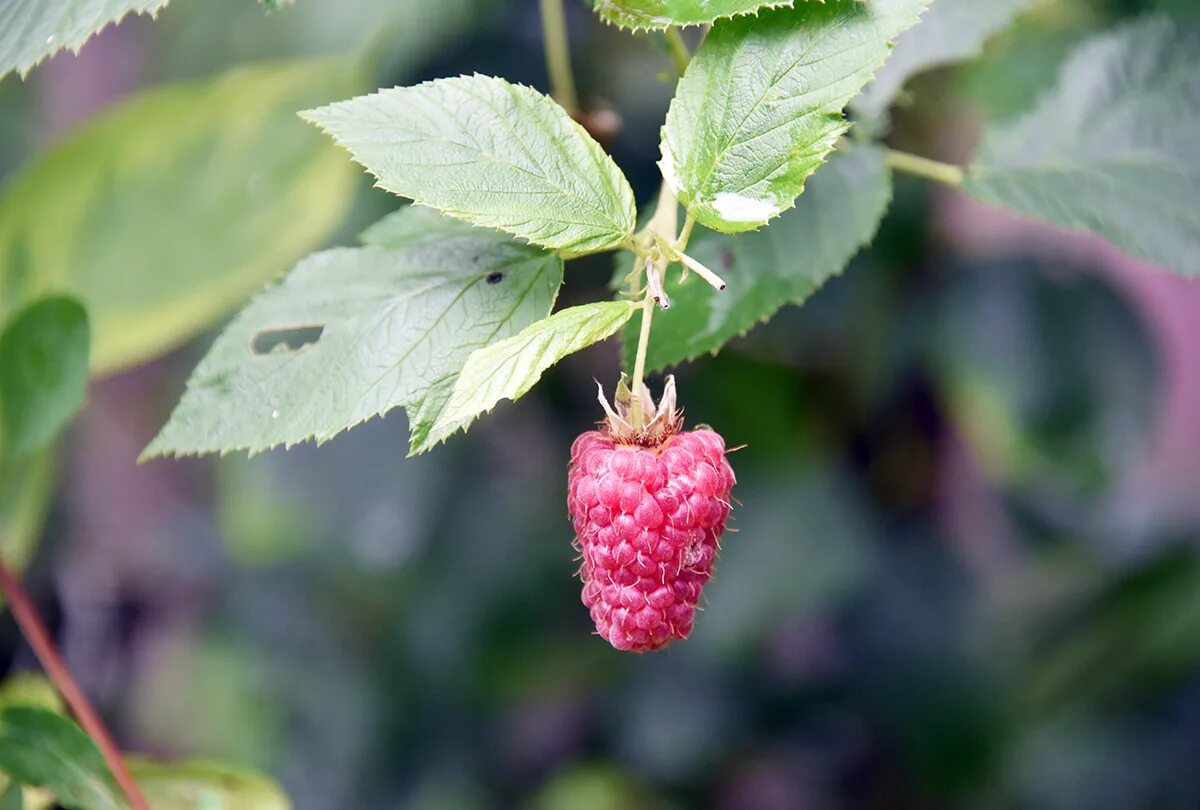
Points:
[649,507]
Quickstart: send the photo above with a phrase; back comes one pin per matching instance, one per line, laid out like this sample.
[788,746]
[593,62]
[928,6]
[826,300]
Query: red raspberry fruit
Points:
[649,506]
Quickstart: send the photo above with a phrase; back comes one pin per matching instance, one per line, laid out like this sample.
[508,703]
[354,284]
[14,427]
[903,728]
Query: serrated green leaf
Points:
[392,327]
[164,212]
[490,153]
[760,106]
[401,228]
[41,748]
[43,373]
[1113,148]
[785,264]
[508,369]
[205,786]
[31,30]
[647,15]
[950,31]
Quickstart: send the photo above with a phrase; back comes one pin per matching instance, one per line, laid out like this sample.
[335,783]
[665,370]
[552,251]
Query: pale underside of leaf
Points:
[31,30]
[164,212]
[950,31]
[784,264]
[508,369]
[1113,149]
[657,15]
[490,153]
[761,105]
[375,328]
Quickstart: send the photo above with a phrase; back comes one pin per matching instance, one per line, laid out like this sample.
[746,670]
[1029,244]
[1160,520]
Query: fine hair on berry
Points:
[649,503]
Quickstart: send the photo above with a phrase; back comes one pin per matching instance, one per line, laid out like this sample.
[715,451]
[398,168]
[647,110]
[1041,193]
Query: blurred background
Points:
[965,573]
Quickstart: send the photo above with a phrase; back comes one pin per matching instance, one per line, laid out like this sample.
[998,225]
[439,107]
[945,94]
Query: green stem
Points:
[924,167]
[665,220]
[678,49]
[558,55]
[639,363]
[685,235]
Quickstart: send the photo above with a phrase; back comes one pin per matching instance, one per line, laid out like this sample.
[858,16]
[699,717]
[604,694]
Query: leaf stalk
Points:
[685,235]
[934,170]
[678,49]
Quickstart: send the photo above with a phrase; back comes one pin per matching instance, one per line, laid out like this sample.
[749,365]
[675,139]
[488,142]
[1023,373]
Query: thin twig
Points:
[558,56]
[696,267]
[924,167]
[36,634]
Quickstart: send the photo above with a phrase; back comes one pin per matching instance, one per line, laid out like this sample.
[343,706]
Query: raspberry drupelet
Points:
[649,506]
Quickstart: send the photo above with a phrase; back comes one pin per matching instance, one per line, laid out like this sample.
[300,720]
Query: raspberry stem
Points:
[662,227]
[639,363]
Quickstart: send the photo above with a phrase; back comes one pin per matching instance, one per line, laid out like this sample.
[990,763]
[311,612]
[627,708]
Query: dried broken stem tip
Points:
[657,424]
[654,285]
[702,271]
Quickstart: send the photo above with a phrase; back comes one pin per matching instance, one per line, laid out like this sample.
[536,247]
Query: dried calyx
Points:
[636,419]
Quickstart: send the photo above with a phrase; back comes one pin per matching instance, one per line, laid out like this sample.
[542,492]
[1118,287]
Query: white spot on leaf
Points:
[736,208]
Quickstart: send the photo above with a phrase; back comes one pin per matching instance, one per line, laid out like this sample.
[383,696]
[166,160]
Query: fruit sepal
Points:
[636,419]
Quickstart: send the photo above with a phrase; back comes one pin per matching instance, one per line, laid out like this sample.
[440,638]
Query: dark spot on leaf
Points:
[286,338]
[727,259]
[495,277]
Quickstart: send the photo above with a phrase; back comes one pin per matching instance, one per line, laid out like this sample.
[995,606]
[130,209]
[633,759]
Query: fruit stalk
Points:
[639,362]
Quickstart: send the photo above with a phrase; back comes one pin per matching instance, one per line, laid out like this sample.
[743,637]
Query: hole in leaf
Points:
[495,277]
[286,338]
